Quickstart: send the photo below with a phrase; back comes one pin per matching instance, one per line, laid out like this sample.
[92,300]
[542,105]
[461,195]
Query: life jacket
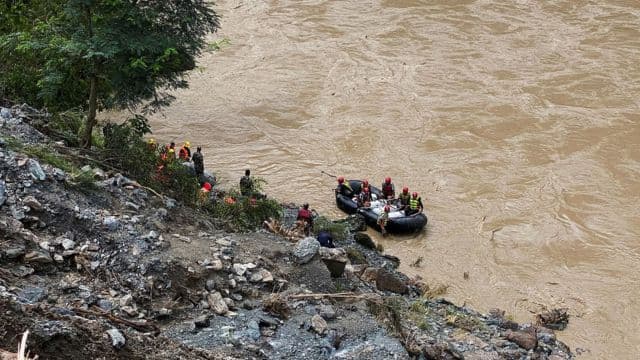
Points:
[304,214]
[183,153]
[413,203]
[388,189]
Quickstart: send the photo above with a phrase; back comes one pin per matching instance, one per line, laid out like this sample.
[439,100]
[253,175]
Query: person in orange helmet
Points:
[343,187]
[403,198]
[383,218]
[364,198]
[388,189]
[415,205]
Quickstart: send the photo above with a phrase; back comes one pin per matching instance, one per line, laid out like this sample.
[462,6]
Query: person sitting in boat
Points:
[388,189]
[382,220]
[306,216]
[364,198]
[415,205]
[403,199]
[343,187]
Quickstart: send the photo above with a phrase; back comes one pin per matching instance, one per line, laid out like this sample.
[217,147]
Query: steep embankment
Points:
[101,268]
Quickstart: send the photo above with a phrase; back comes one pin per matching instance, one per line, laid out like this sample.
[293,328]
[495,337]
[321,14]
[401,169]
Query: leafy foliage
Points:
[121,53]
[245,212]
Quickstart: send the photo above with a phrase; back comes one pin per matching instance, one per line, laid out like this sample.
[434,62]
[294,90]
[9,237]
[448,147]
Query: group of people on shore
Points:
[411,204]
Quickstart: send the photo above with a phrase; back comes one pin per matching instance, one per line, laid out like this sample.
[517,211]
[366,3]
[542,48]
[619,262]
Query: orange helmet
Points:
[387,208]
[340,179]
[415,194]
[405,190]
[387,180]
[365,182]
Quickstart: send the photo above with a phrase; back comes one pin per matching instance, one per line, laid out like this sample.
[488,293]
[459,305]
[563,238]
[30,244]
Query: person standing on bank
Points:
[198,162]
[246,184]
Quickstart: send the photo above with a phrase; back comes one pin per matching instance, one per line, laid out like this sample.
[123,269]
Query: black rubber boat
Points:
[398,222]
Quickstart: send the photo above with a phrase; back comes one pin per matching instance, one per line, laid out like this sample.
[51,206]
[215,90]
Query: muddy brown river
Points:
[517,121]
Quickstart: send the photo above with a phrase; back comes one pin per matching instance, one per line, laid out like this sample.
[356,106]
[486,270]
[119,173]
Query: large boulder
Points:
[388,281]
[365,240]
[305,250]
[525,339]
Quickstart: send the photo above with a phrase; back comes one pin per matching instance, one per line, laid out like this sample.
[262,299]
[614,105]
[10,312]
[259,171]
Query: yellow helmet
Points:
[171,151]
[151,141]
[187,144]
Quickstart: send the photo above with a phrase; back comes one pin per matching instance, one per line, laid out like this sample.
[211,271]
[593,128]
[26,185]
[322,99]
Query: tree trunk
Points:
[93,96]
[91,117]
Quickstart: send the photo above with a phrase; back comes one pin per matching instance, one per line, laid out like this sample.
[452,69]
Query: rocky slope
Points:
[109,270]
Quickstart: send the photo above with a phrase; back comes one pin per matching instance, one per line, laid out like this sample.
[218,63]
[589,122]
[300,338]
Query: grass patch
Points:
[48,156]
[456,318]
[356,256]
[339,231]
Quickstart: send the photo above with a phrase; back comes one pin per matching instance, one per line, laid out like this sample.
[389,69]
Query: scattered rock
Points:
[105,305]
[240,269]
[261,275]
[365,240]
[210,285]
[202,321]
[68,244]
[31,202]
[336,267]
[111,222]
[5,113]
[170,203]
[32,294]
[305,250]
[3,192]
[14,251]
[117,339]
[37,257]
[327,312]
[556,319]
[36,170]
[318,324]
[126,300]
[387,281]
[525,339]
[217,304]
[370,274]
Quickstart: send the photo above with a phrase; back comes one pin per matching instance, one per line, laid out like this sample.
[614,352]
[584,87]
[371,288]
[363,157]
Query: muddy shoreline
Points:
[116,272]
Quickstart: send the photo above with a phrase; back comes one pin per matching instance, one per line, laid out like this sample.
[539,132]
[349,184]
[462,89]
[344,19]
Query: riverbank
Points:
[102,268]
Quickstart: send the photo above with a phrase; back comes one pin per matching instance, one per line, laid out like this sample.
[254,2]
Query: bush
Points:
[339,230]
[244,213]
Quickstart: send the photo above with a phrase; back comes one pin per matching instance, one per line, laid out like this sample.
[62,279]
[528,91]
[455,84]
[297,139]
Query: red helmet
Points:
[405,190]
[366,189]
[415,194]
[365,182]
[207,186]
[387,208]
[340,179]
[387,180]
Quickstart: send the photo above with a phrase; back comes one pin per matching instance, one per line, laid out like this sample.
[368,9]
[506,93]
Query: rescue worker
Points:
[415,205]
[205,192]
[152,145]
[169,153]
[246,183]
[198,162]
[185,151]
[364,198]
[344,188]
[382,220]
[325,239]
[306,216]
[388,189]
[403,198]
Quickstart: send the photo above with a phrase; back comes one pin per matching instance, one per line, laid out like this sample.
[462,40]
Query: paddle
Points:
[326,173]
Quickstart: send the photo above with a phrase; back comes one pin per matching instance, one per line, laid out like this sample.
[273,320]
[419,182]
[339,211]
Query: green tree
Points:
[115,54]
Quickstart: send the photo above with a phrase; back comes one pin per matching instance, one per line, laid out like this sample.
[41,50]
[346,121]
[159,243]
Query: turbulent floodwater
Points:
[517,121]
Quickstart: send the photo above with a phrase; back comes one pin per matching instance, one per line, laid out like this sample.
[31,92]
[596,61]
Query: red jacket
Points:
[304,214]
